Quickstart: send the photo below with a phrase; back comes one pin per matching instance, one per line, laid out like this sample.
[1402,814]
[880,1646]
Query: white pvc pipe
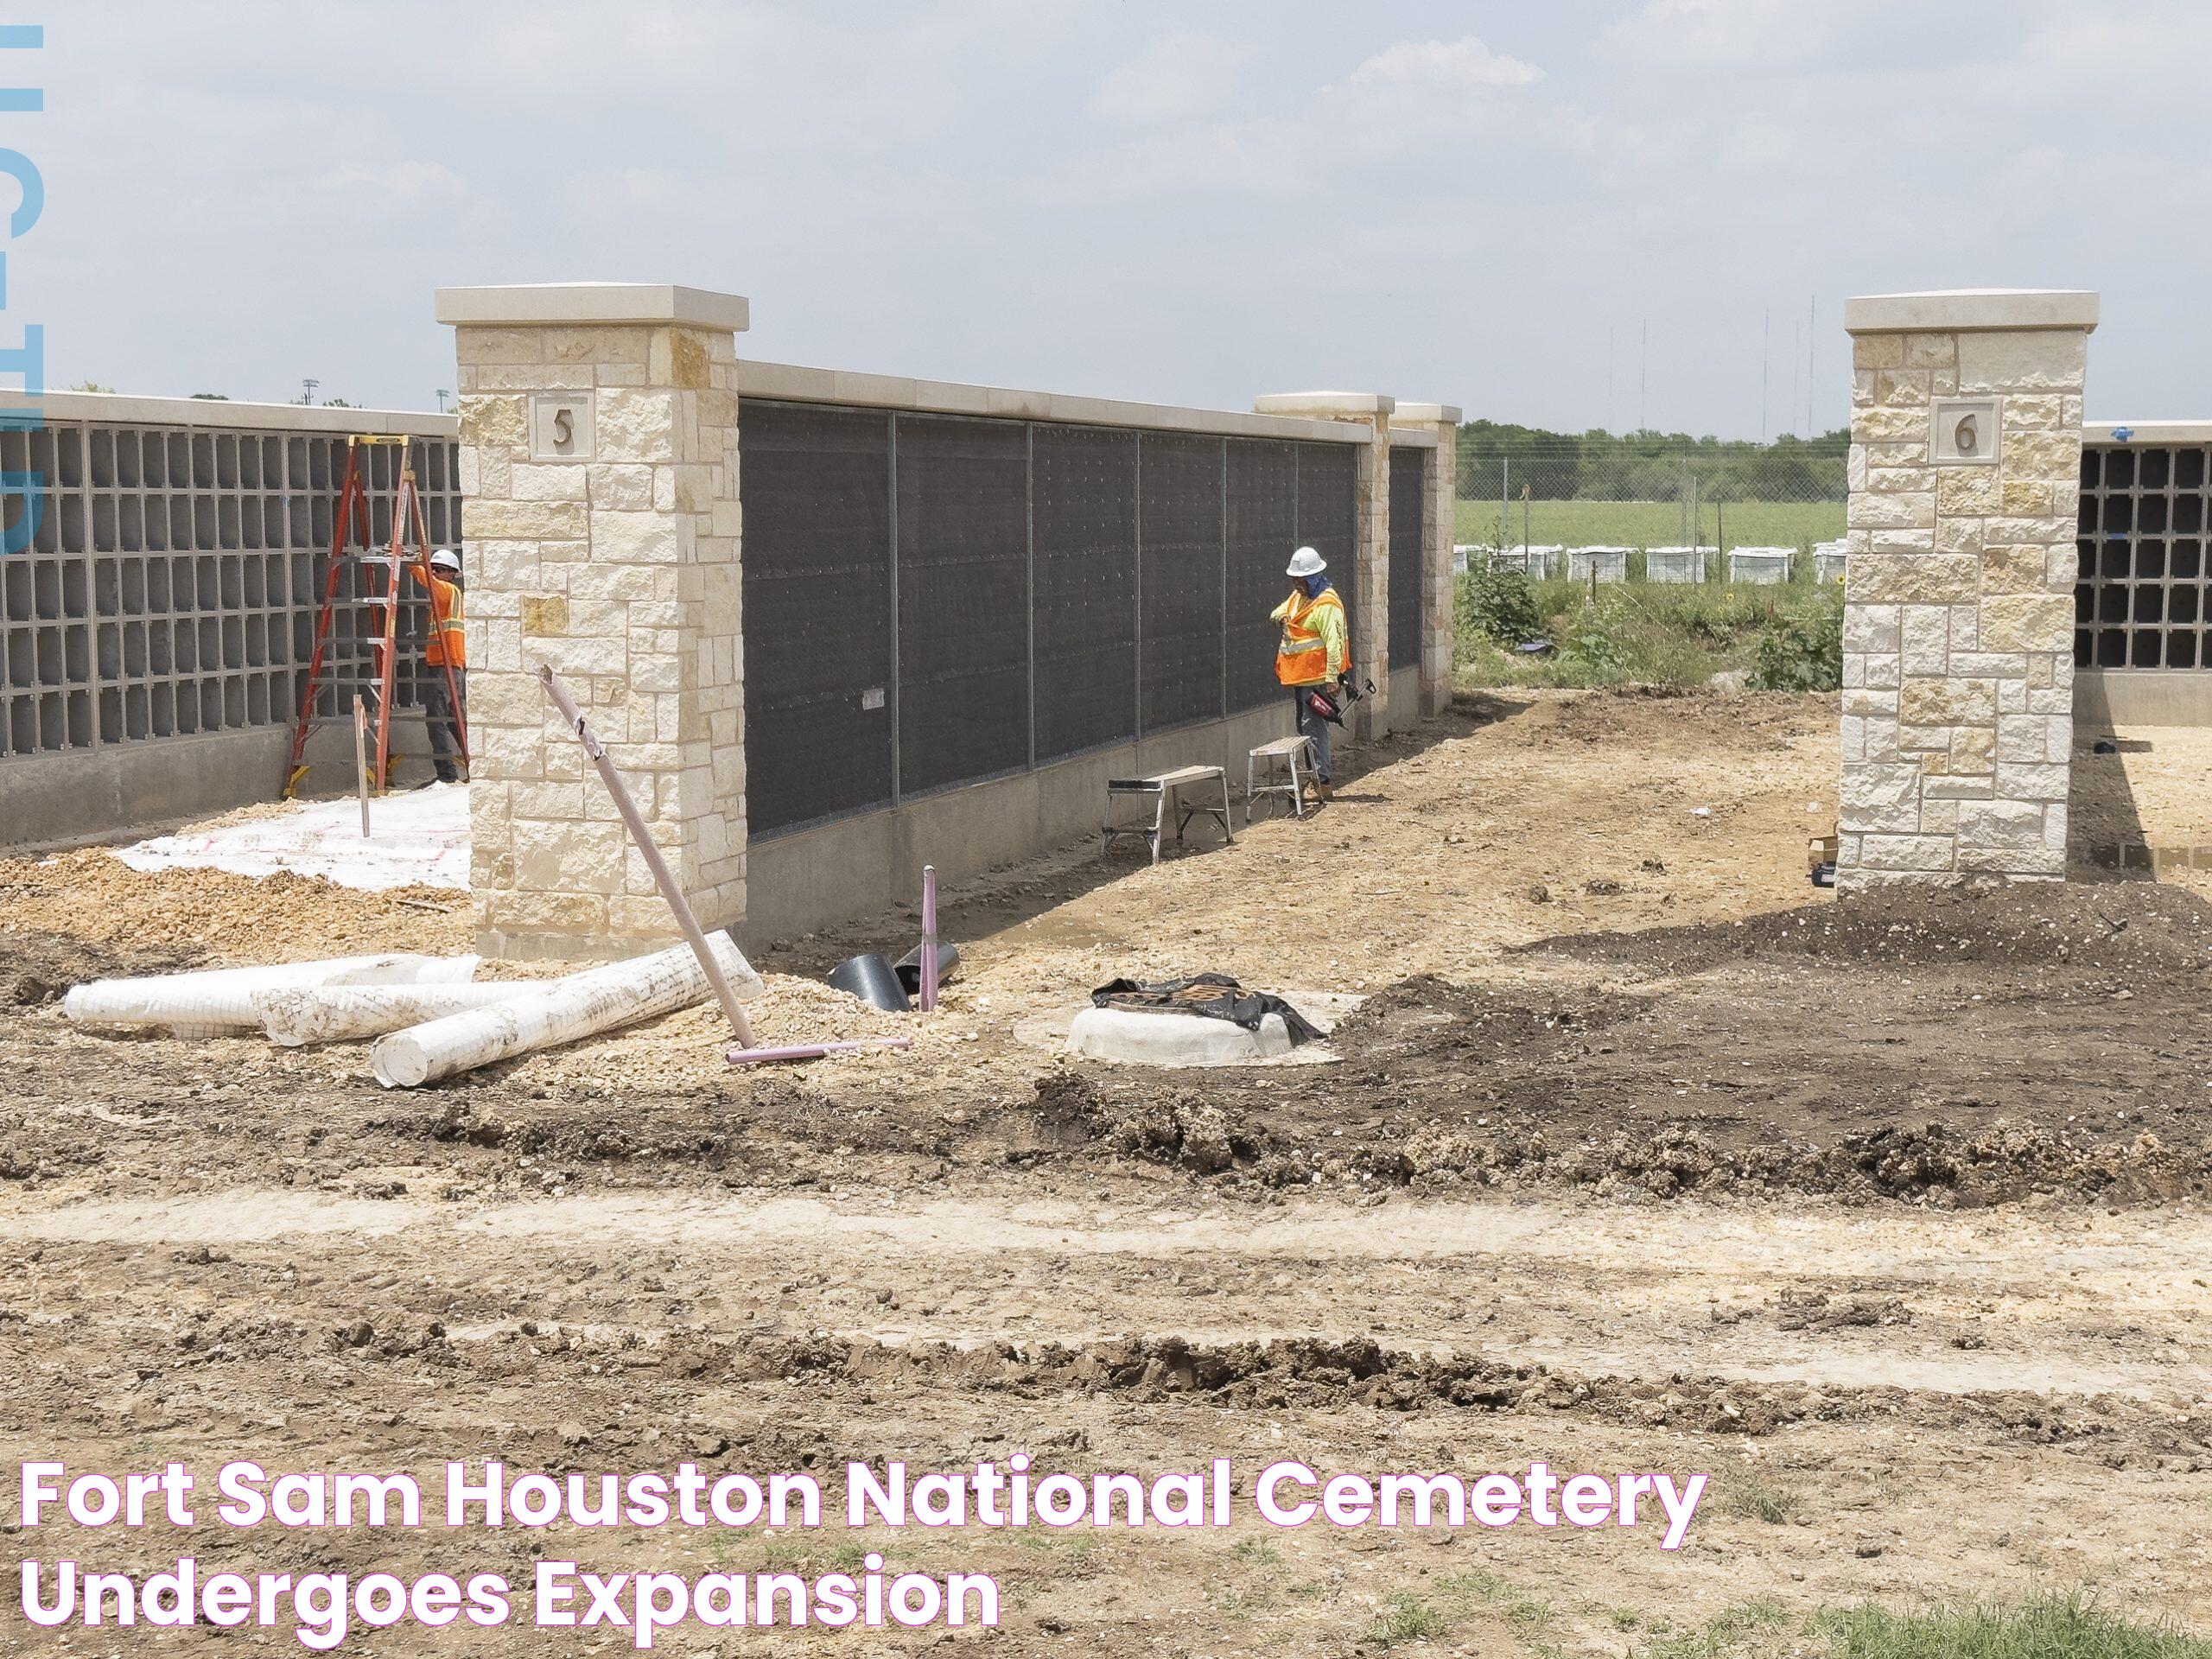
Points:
[213,1001]
[294,1016]
[599,999]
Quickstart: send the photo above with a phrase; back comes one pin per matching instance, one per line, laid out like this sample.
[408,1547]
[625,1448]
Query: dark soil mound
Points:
[38,967]
[2133,927]
[1942,1047]
[1434,1015]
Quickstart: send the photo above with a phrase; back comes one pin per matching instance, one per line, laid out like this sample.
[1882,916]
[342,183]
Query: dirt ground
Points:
[1643,1154]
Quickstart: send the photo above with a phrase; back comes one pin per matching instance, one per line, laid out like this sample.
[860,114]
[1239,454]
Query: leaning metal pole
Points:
[662,875]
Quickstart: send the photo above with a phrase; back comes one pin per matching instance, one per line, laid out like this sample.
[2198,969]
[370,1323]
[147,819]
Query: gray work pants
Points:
[439,712]
[1311,725]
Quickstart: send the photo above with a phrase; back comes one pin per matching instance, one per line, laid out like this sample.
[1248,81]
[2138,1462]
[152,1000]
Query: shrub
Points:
[1663,634]
[1590,649]
[1801,651]
[1499,603]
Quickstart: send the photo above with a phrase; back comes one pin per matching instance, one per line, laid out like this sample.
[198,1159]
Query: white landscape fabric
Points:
[418,838]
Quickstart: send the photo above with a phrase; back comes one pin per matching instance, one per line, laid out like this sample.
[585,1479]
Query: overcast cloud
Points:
[1165,201]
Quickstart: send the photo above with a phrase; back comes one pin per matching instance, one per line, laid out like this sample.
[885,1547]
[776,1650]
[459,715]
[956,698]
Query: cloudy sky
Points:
[1487,203]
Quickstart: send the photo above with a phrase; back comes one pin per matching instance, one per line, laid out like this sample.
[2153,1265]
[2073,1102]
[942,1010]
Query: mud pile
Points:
[1946,1047]
[2125,927]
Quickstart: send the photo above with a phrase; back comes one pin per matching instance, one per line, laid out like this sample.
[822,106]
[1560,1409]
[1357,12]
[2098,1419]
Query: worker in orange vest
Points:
[446,646]
[1315,653]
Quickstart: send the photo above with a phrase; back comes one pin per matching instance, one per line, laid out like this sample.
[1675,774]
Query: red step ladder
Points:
[410,548]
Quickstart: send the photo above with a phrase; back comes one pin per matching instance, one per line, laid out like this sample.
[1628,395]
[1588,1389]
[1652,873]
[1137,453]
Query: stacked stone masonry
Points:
[1958,663]
[1439,511]
[618,567]
[1370,606]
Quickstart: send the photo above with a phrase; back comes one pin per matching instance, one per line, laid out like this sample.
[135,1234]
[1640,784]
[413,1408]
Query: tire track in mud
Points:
[1739,1238]
[1825,1300]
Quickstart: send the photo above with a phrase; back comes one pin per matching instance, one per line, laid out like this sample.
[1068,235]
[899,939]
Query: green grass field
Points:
[1651,523]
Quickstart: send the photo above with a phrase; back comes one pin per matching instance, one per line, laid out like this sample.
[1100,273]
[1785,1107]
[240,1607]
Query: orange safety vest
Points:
[447,644]
[1302,659]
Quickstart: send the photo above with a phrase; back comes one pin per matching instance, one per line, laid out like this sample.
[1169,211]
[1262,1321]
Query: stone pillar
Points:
[1368,584]
[1440,513]
[600,530]
[1958,632]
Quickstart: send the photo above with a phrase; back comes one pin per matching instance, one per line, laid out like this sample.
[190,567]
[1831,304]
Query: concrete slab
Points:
[1322,1009]
[1135,1038]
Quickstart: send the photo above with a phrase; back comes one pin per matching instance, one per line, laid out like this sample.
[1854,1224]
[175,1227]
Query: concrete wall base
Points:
[61,800]
[120,789]
[2181,696]
[858,865]
[1405,694]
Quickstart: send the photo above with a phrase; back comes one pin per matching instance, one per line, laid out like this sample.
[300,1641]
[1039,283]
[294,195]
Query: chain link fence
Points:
[1609,509]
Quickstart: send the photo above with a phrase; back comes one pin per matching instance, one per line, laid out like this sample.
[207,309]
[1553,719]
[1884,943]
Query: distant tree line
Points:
[1497,457]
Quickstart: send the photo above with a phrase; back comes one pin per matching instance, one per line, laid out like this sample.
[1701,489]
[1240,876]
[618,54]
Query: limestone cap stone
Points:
[586,303]
[1326,404]
[1971,310]
[1444,414]
[2147,431]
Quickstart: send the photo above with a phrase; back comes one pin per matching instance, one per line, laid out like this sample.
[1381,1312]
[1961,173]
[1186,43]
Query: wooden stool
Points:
[1164,790]
[1287,751]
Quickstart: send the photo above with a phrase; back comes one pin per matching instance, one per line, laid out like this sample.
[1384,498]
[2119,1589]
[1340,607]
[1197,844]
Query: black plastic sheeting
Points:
[817,611]
[1086,519]
[1208,996]
[964,600]
[1263,533]
[1408,472]
[1181,492]
[1056,589]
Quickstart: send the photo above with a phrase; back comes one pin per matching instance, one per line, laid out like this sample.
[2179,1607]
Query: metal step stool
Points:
[1163,789]
[1287,751]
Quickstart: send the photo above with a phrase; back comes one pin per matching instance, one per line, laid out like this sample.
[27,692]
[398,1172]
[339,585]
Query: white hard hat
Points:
[445,559]
[1306,563]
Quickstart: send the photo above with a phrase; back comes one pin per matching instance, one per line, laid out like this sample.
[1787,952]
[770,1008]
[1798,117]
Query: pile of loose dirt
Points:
[1315,1373]
[1517,1148]
[1764,722]
[685,1049]
[37,966]
[203,917]
[1425,1012]
[1942,1047]
[2130,927]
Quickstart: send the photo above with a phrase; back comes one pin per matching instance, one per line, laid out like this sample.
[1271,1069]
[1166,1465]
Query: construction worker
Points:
[445,712]
[1315,653]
